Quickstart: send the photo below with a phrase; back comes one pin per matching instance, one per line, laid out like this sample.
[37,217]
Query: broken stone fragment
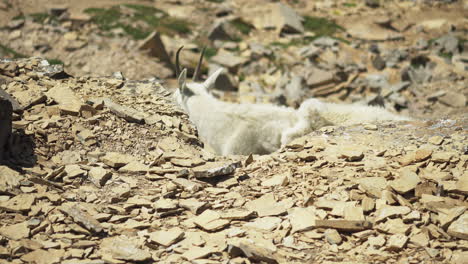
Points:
[68,102]
[16,231]
[210,220]
[99,176]
[167,237]
[333,237]
[123,248]
[195,206]
[344,225]
[155,47]
[82,218]
[211,170]
[407,181]
[9,179]
[268,206]
[19,203]
[127,113]
[302,219]
[259,250]
[116,160]
[277,180]
[459,228]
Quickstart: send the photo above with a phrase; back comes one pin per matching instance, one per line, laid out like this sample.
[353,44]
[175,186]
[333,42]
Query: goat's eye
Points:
[187,92]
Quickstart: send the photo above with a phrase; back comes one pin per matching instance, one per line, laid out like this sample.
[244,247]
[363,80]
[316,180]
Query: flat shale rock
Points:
[16,231]
[168,237]
[68,102]
[459,228]
[116,160]
[268,206]
[9,179]
[210,220]
[123,248]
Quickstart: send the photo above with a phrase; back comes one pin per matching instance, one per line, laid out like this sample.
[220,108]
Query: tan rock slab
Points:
[99,176]
[376,241]
[116,159]
[238,214]
[353,212]
[74,170]
[443,156]
[277,180]
[394,226]
[82,218]
[264,223]
[302,219]
[16,231]
[268,206]
[19,203]
[421,239]
[198,252]
[9,179]
[459,228]
[447,215]
[68,102]
[124,248]
[407,181]
[167,237]
[125,112]
[344,225]
[373,185]
[351,154]
[332,236]
[210,220]
[390,211]
[41,256]
[462,184]
[397,242]
[134,167]
[215,169]
[195,206]
[188,185]
[256,249]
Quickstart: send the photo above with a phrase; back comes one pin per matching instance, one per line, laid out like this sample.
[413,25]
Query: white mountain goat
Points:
[350,114]
[231,128]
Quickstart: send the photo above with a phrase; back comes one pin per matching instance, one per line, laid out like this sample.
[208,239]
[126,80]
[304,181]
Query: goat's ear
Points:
[182,79]
[209,83]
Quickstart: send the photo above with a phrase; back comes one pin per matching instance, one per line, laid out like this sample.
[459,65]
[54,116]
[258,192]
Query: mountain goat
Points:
[246,128]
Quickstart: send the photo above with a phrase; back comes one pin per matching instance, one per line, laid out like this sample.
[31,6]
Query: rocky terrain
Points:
[98,165]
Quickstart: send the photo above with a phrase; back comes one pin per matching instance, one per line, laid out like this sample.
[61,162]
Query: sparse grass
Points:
[216,1]
[321,26]
[139,24]
[349,5]
[210,52]
[44,18]
[55,61]
[241,26]
[9,52]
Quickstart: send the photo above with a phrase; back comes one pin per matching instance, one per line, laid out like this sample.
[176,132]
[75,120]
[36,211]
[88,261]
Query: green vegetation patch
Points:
[349,4]
[321,26]
[241,26]
[216,1]
[54,61]
[9,52]
[138,21]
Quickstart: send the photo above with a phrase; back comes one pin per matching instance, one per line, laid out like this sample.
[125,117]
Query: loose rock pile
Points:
[119,176]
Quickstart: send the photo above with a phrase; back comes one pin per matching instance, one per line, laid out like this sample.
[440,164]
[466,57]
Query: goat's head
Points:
[194,88]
